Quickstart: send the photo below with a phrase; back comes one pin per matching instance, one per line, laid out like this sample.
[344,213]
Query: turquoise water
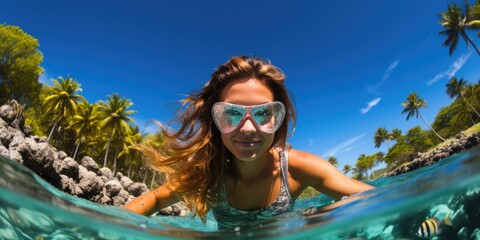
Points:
[30,208]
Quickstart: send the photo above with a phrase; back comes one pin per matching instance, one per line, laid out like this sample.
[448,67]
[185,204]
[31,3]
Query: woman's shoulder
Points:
[297,158]
[305,164]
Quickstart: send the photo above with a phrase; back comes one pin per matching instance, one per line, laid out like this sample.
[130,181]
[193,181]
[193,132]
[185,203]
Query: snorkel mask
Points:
[267,117]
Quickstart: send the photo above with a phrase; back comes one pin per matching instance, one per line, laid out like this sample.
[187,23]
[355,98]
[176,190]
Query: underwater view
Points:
[30,208]
[272,119]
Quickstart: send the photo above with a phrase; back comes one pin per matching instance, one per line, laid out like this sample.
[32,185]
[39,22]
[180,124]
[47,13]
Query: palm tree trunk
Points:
[51,131]
[430,126]
[129,171]
[78,145]
[115,161]
[468,104]
[471,42]
[108,148]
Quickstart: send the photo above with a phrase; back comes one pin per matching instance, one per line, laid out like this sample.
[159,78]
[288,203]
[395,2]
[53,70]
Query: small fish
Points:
[432,227]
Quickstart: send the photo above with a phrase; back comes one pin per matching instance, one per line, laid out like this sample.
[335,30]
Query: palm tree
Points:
[472,93]
[347,168]
[474,12]
[381,136]
[456,23]
[464,116]
[84,122]
[333,160]
[457,89]
[379,157]
[115,118]
[129,151]
[117,144]
[361,166]
[62,100]
[396,134]
[412,106]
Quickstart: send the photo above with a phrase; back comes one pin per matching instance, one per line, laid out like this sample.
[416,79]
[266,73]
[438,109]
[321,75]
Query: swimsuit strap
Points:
[284,170]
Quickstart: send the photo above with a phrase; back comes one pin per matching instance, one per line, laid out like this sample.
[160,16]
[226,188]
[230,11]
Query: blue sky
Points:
[349,64]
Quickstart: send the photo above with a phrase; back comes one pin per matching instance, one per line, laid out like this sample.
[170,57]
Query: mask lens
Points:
[268,117]
[227,116]
[233,115]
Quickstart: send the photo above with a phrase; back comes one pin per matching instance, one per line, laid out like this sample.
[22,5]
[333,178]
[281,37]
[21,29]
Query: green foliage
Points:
[36,117]
[456,21]
[461,114]
[396,134]
[412,106]
[333,160]
[84,122]
[77,131]
[347,168]
[364,164]
[115,119]
[419,139]
[20,68]
[399,153]
[381,136]
[61,101]
[452,119]
[308,192]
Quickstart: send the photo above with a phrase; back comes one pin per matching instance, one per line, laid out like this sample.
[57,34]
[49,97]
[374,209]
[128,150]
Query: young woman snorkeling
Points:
[230,153]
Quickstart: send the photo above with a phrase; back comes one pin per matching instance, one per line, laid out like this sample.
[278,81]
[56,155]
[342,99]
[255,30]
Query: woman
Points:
[230,152]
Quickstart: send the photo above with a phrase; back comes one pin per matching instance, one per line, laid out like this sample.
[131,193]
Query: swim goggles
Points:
[267,117]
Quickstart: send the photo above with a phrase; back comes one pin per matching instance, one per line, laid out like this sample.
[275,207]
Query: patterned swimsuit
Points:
[229,217]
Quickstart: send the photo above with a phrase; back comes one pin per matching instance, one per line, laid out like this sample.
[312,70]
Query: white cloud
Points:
[386,75]
[343,147]
[452,70]
[389,71]
[435,79]
[370,104]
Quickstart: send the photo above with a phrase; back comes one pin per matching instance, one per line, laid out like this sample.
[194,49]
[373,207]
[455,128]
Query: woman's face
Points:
[247,142]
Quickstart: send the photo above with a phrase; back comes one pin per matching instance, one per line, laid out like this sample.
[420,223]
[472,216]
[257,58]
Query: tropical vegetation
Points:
[457,21]
[102,130]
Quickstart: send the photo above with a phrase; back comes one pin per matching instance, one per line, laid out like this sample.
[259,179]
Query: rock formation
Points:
[82,179]
[457,145]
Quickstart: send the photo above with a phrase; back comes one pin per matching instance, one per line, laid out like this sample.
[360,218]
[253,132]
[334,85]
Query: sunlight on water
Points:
[32,209]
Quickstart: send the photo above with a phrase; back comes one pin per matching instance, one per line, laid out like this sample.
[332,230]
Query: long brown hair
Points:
[193,157]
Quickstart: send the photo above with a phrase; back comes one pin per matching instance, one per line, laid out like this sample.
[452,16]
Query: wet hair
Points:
[193,158]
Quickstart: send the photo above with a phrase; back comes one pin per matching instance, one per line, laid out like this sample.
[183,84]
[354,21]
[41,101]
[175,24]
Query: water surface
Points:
[30,208]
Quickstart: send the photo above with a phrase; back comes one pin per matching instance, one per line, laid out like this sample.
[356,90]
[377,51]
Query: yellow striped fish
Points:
[432,227]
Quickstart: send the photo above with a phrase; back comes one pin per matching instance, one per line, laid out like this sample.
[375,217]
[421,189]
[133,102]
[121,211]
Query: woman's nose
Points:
[248,126]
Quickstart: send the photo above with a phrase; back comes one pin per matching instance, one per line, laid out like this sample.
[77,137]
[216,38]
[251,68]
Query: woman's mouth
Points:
[247,143]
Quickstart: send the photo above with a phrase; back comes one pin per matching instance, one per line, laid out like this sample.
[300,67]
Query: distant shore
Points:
[459,144]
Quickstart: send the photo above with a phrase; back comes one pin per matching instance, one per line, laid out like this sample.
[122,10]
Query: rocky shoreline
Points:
[83,179]
[457,145]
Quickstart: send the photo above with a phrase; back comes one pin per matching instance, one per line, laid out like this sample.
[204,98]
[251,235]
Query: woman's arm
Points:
[150,202]
[311,170]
